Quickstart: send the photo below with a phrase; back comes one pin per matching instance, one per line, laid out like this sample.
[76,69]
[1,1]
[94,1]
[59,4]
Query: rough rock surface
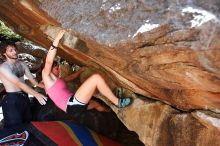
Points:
[166,50]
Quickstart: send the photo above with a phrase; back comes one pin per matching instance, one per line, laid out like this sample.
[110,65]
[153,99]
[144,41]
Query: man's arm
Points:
[31,77]
[8,75]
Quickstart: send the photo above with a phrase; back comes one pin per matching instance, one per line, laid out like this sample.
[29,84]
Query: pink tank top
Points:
[60,94]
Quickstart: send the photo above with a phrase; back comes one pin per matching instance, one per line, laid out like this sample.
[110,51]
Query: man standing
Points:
[16,104]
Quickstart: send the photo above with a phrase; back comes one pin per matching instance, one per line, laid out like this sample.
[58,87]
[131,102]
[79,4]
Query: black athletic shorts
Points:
[76,110]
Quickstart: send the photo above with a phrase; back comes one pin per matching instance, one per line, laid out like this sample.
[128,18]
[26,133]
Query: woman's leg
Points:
[96,105]
[87,89]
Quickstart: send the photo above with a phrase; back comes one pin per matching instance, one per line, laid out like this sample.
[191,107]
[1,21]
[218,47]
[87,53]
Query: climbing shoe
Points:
[118,92]
[124,102]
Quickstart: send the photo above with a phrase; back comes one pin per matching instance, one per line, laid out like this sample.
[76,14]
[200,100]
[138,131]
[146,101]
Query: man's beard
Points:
[12,57]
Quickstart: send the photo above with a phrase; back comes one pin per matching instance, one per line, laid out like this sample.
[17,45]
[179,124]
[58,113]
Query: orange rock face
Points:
[166,50]
[172,55]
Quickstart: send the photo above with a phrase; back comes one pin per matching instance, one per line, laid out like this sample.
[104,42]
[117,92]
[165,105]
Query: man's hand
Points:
[41,85]
[41,98]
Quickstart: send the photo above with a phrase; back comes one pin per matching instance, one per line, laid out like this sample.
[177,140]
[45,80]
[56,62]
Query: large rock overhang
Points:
[166,50]
[171,54]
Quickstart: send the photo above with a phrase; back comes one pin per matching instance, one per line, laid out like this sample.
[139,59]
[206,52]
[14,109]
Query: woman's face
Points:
[56,70]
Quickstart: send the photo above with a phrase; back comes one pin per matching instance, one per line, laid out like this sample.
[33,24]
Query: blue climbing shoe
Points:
[124,102]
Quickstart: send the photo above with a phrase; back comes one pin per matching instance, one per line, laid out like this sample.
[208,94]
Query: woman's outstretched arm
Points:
[52,53]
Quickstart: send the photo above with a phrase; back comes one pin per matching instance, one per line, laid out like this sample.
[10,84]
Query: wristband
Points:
[54,47]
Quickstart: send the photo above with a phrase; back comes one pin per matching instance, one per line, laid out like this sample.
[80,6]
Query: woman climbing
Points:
[69,102]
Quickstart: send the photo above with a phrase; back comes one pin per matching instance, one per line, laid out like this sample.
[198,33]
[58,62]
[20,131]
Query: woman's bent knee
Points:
[96,77]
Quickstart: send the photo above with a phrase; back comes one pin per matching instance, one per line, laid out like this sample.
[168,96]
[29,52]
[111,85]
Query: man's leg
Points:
[12,114]
[27,116]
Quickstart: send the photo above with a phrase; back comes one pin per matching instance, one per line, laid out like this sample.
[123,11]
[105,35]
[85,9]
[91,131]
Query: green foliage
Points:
[6,34]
